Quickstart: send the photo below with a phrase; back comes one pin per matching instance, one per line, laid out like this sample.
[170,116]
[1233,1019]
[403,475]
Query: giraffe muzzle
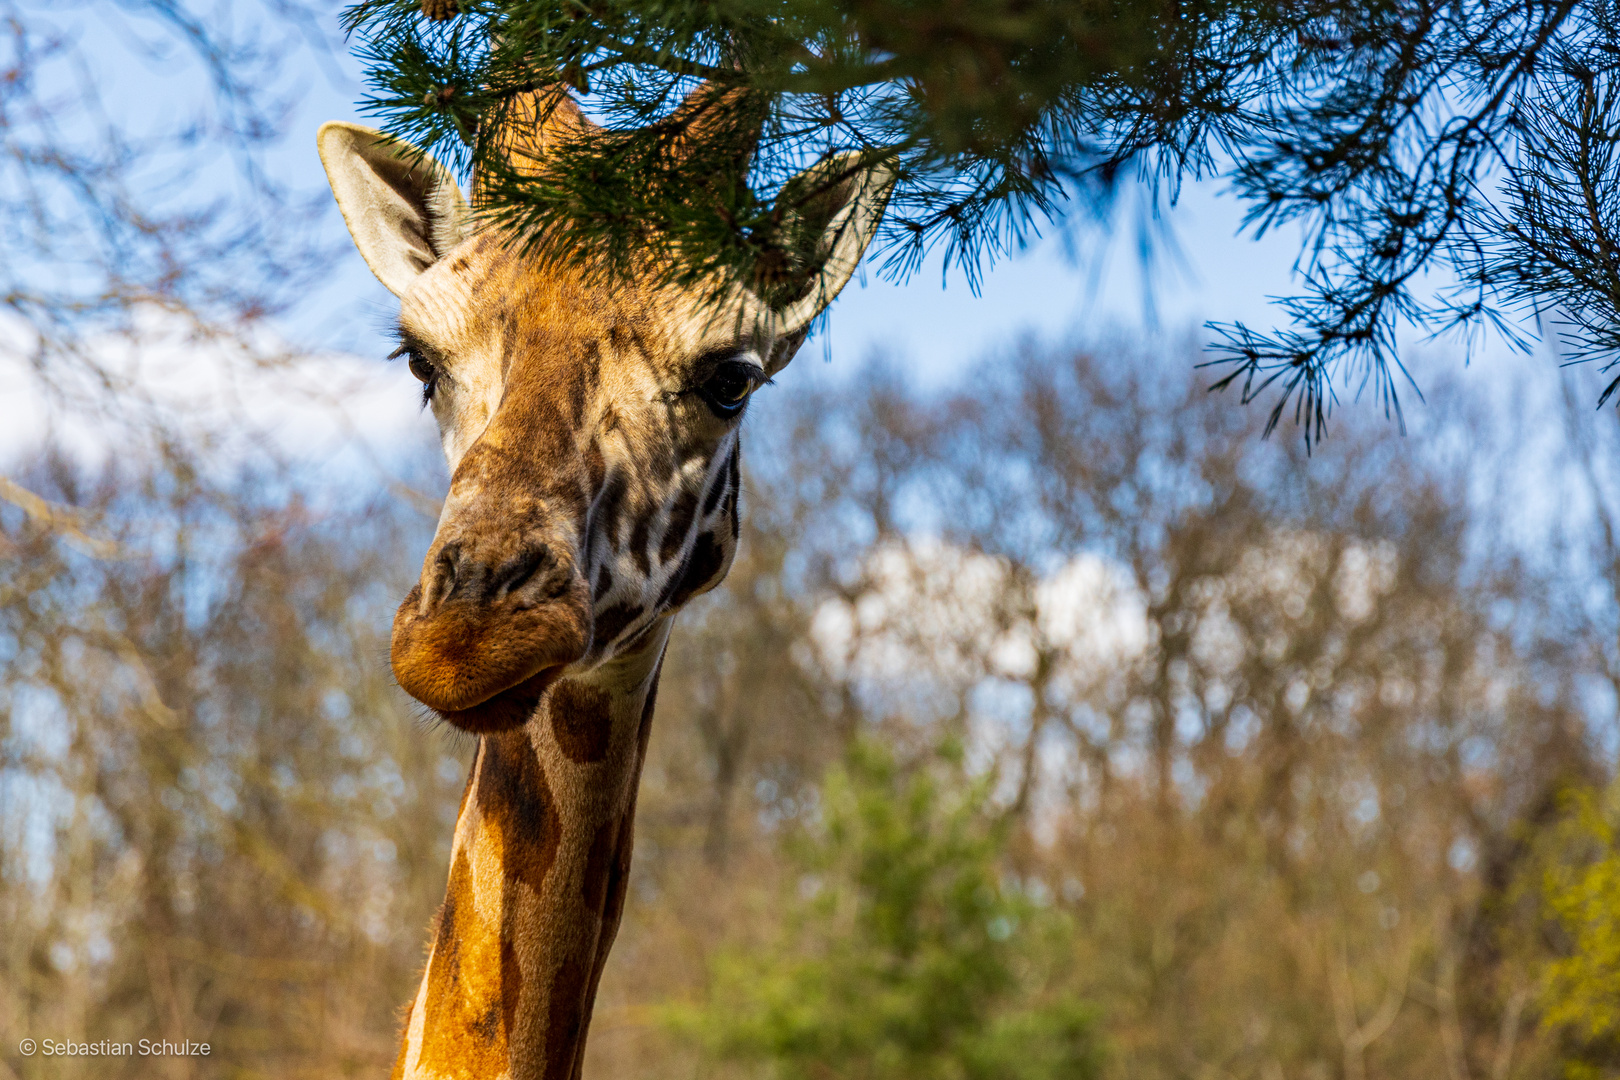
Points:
[484,633]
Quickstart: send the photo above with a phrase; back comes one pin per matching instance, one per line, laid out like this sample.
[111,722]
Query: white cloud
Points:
[1092,612]
[218,398]
[926,613]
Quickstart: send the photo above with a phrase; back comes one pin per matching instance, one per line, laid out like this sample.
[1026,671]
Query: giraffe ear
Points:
[839,220]
[402,207]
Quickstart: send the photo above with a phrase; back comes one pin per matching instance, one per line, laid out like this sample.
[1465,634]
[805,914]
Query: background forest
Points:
[1057,728]
[1051,723]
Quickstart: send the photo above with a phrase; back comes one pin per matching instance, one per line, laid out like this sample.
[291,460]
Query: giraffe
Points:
[591,432]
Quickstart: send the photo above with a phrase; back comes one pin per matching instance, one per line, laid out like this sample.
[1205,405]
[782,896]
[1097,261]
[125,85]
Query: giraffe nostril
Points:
[459,572]
[520,569]
[444,574]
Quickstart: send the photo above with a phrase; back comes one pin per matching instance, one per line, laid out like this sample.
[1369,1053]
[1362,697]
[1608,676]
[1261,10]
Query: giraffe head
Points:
[591,429]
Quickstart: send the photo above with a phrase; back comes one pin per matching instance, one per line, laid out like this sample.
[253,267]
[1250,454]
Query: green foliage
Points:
[987,111]
[902,954]
[1381,127]
[1581,989]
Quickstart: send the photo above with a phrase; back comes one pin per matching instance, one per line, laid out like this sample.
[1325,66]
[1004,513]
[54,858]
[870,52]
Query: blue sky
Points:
[1077,281]
[1082,283]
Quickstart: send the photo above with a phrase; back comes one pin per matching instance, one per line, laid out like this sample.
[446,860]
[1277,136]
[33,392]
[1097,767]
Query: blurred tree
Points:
[220,822]
[905,954]
[137,201]
[1404,135]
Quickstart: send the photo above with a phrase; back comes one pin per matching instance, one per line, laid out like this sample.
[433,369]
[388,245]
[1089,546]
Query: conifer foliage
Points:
[1406,136]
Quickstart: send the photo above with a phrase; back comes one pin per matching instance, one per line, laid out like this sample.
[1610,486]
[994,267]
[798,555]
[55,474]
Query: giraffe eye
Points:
[425,370]
[728,388]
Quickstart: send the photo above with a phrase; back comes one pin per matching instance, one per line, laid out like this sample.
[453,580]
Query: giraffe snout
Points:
[491,624]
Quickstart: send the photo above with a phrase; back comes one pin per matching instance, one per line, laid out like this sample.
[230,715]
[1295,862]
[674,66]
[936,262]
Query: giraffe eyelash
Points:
[422,367]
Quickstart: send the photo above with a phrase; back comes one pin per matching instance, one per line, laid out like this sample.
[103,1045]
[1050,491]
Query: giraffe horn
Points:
[535,124]
[538,121]
[703,147]
[713,117]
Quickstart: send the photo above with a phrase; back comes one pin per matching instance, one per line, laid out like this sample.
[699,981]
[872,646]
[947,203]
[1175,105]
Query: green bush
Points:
[901,953]
[1581,987]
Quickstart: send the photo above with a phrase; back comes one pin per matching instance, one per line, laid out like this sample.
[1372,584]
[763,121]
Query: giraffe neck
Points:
[538,871]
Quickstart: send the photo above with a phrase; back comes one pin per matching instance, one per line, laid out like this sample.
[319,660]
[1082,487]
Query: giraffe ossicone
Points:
[591,431]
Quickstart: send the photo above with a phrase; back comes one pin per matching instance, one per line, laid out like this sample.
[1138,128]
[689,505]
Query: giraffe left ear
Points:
[840,219]
[402,207]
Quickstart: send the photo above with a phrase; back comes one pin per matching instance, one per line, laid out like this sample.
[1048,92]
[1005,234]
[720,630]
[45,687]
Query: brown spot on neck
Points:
[513,800]
[565,1020]
[581,720]
[511,984]
[610,855]
[599,864]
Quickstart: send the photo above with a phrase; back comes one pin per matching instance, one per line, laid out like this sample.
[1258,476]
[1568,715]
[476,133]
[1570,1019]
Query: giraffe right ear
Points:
[838,221]
[402,207]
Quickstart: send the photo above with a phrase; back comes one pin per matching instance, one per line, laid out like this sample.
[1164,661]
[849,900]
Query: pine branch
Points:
[1377,124]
